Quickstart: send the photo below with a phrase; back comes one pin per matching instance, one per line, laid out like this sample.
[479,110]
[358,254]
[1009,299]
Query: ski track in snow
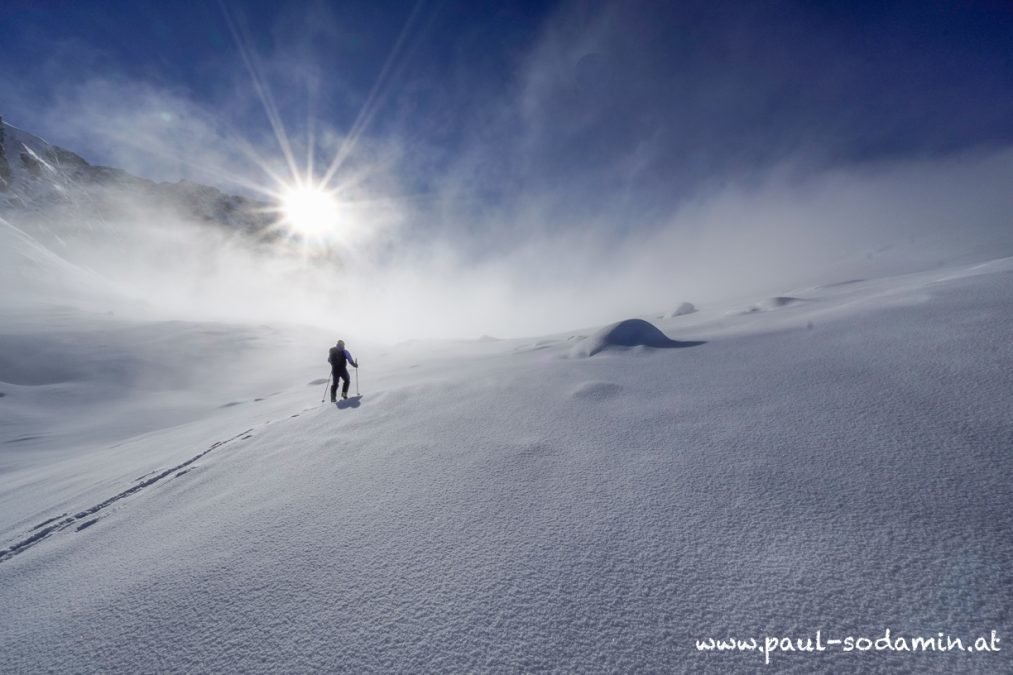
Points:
[47,528]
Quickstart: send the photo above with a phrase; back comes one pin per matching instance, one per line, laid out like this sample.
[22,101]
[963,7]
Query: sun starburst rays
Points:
[318,202]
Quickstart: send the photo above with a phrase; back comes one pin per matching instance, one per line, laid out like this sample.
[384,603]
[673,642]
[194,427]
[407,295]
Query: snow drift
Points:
[628,333]
[682,310]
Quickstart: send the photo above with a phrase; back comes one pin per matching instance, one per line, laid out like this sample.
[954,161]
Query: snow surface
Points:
[174,498]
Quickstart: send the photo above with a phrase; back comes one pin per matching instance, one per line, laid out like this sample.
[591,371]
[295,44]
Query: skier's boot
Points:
[344,395]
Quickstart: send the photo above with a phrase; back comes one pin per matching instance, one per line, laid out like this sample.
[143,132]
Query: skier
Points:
[339,358]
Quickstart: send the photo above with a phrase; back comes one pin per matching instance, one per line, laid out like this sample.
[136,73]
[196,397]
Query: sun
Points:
[310,211]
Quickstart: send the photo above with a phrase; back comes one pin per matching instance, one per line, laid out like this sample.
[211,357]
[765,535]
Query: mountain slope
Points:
[36,175]
[840,464]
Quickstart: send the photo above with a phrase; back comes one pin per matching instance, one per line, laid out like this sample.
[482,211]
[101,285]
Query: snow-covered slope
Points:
[838,463]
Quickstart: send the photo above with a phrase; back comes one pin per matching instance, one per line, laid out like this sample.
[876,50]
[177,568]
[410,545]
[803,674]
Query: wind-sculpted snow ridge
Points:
[83,518]
[628,333]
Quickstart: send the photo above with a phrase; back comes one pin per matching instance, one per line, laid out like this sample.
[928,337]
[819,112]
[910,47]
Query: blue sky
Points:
[625,108]
[717,85]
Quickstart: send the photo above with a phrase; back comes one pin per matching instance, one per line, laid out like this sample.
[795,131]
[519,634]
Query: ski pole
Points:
[325,389]
[357,380]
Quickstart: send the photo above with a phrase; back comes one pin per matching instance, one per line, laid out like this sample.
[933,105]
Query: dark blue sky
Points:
[599,104]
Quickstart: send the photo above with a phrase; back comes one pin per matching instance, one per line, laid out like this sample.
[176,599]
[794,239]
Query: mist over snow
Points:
[392,282]
[668,322]
[619,168]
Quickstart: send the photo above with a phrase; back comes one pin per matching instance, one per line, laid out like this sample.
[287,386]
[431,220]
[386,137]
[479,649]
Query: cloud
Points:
[150,131]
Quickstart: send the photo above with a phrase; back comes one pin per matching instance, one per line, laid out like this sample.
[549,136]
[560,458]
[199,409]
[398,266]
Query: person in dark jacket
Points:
[339,358]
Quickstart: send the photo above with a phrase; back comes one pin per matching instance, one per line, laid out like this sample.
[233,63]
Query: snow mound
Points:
[628,333]
[782,301]
[682,310]
[774,303]
[596,391]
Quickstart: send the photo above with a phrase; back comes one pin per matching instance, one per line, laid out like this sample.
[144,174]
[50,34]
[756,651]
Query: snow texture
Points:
[488,508]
